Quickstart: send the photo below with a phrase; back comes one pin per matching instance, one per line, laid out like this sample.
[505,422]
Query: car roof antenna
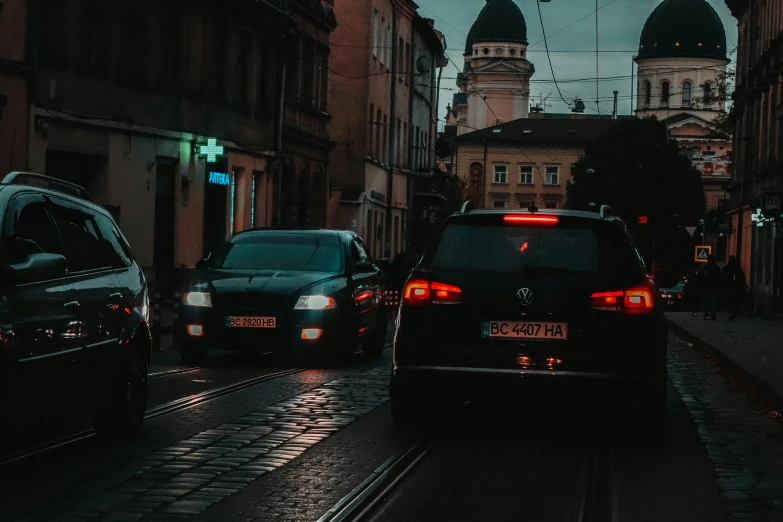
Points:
[532,208]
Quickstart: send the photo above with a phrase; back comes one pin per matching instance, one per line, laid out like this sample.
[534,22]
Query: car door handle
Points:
[72,304]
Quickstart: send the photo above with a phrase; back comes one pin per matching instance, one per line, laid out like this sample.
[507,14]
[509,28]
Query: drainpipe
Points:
[277,186]
[392,129]
[483,187]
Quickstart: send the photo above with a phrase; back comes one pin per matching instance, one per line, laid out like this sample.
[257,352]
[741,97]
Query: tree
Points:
[638,171]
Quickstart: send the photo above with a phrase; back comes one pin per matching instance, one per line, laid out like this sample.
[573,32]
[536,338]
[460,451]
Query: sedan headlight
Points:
[200,299]
[315,302]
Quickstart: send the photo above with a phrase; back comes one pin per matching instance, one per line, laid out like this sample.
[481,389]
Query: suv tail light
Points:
[421,292]
[516,219]
[637,300]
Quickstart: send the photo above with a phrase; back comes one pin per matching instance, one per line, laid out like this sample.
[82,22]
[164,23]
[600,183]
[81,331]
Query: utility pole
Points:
[392,129]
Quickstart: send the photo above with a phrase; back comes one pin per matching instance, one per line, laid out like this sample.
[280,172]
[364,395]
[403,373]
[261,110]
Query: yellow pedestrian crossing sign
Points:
[702,253]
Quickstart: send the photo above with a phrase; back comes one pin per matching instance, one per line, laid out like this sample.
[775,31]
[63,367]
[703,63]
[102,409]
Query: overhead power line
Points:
[546,45]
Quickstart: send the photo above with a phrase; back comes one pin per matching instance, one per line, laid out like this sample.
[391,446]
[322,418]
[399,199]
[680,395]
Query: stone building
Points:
[383,77]
[757,177]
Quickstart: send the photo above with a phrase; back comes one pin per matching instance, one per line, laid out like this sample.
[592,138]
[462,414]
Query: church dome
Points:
[683,28]
[498,21]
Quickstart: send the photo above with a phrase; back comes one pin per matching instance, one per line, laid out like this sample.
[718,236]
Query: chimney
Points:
[614,111]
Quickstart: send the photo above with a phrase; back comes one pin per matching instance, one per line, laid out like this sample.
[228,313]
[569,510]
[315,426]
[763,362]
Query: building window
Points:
[525,175]
[375,33]
[370,140]
[323,78]
[378,145]
[309,74]
[253,200]
[707,87]
[552,175]
[498,204]
[132,45]
[647,93]
[243,68]
[92,41]
[293,71]
[665,94]
[52,35]
[398,152]
[687,88]
[385,144]
[382,41]
[264,64]
[550,204]
[500,173]
[220,53]
[475,173]
[405,145]
[169,38]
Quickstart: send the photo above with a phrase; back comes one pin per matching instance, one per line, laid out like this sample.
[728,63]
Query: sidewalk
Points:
[753,344]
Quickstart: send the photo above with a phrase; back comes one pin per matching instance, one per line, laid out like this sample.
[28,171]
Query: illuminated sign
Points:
[211,150]
[702,253]
[219,178]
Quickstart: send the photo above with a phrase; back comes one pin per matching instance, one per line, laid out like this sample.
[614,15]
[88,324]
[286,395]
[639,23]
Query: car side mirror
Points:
[39,267]
[363,267]
[202,263]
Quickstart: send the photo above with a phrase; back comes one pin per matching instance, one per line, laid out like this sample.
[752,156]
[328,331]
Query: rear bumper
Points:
[450,384]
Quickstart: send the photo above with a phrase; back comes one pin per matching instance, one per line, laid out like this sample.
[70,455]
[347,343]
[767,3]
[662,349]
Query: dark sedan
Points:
[294,293]
[673,297]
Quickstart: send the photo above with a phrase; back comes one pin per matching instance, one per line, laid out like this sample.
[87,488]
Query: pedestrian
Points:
[710,287]
[734,286]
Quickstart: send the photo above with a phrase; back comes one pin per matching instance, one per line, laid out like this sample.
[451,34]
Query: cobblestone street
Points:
[295,458]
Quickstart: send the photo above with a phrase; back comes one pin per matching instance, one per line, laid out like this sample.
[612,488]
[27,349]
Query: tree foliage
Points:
[637,170]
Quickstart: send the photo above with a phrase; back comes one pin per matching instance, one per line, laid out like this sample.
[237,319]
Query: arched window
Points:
[475,173]
[647,93]
[664,93]
[687,88]
[707,93]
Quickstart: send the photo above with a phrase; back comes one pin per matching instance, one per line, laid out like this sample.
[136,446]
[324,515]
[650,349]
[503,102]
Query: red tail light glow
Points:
[638,300]
[419,292]
[517,219]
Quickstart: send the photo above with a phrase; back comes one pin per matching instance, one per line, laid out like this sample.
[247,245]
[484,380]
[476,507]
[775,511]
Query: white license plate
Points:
[250,322]
[525,330]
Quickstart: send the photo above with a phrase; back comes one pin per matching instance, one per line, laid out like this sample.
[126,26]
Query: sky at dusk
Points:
[570,30]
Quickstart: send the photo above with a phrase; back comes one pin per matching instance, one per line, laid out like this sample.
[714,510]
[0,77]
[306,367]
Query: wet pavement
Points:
[292,447]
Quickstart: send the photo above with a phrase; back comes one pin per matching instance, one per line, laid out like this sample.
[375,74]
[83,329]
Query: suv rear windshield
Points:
[281,252]
[580,250]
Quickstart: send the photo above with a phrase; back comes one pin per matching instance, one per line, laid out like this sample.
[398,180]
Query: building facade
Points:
[757,176]
[495,80]
[166,111]
[523,162]
[681,81]
[305,140]
[383,63]
[14,77]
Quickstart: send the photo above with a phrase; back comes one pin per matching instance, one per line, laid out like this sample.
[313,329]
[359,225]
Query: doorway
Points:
[165,207]
[215,205]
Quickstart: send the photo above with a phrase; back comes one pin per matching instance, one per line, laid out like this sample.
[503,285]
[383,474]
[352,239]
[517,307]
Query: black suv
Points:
[73,308]
[527,304]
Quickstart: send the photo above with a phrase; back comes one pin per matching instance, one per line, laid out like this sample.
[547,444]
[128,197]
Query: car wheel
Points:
[193,355]
[404,409]
[373,345]
[123,415]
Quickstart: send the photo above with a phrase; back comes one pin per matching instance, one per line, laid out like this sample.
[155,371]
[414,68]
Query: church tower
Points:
[496,69]
[681,60]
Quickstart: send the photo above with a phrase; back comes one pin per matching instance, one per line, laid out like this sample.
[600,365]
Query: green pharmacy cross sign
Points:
[211,150]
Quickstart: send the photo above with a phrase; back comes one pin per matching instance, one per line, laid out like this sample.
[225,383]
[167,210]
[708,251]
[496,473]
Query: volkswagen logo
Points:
[525,296]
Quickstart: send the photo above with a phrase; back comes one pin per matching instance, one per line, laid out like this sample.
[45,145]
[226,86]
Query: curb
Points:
[763,395]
